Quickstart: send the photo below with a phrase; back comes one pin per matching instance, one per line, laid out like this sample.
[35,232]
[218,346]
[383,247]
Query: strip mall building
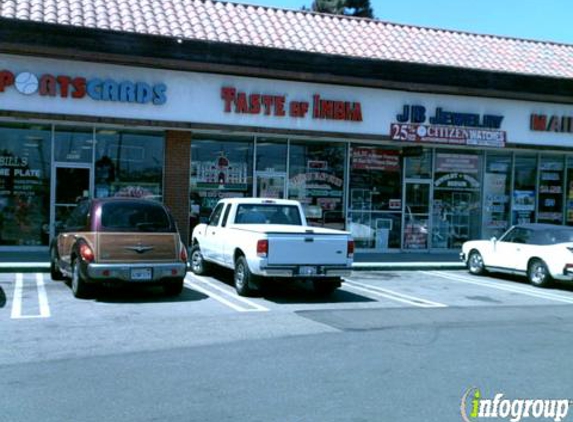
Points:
[413,139]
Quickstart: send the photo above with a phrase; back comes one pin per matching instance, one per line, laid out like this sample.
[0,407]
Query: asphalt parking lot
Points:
[34,296]
[43,320]
[369,352]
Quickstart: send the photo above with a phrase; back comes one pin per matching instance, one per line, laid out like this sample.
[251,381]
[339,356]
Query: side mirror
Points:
[493,239]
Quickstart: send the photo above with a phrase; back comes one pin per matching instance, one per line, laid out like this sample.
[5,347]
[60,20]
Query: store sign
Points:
[554,123]
[78,87]
[370,158]
[239,102]
[448,127]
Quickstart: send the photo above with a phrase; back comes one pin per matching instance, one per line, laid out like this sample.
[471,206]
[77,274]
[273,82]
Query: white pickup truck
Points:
[269,238]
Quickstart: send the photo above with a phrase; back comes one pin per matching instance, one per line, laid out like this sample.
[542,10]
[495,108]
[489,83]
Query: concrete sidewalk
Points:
[39,261]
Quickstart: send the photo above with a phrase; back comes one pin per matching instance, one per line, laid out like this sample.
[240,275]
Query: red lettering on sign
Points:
[64,82]
[48,85]
[6,79]
[280,106]
[267,104]
[228,95]
[79,85]
[255,103]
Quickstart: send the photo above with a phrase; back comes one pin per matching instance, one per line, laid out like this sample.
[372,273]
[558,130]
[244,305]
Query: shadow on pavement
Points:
[289,292]
[555,286]
[144,294]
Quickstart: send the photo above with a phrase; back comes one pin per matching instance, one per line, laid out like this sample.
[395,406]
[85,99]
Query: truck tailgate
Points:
[303,249]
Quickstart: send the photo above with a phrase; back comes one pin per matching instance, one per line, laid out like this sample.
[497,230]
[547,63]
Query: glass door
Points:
[70,184]
[416,215]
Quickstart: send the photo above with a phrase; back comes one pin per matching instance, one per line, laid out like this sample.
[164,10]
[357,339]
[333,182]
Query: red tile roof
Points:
[302,31]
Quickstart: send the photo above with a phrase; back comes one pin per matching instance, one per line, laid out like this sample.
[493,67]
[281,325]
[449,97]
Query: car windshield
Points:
[268,214]
[134,217]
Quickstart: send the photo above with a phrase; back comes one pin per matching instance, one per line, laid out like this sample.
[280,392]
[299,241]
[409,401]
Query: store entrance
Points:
[70,184]
[416,215]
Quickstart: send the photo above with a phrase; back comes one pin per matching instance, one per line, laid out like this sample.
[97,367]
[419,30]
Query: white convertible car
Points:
[542,252]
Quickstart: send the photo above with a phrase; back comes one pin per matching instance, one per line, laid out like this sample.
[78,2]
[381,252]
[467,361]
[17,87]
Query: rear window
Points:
[268,214]
[550,237]
[135,217]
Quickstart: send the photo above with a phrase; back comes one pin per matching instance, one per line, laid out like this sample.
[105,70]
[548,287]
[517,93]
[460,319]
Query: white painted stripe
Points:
[195,286]
[504,287]
[10,265]
[232,294]
[416,299]
[17,300]
[387,296]
[42,296]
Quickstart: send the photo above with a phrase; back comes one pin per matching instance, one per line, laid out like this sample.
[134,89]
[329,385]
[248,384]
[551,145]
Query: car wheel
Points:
[55,272]
[325,287]
[198,265]
[243,277]
[80,288]
[538,274]
[173,288]
[475,263]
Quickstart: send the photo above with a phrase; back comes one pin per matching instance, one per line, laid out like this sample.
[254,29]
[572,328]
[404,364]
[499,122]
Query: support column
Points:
[177,177]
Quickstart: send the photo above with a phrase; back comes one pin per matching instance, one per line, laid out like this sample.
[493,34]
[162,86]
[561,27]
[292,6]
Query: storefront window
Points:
[456,205]
[569,191]
[271,168]
[316,179]
[497,190]
[524,188]
[418,163]
[24,184]
[73,145]
[221,167]
[375,197]
[550,199]
[129,164]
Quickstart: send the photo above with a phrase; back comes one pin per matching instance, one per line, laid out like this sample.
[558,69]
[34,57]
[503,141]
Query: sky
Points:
[544,20]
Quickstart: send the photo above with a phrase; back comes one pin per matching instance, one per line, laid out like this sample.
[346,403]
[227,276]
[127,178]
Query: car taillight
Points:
[86,253]
[350,249]
[263,248]
[183,253]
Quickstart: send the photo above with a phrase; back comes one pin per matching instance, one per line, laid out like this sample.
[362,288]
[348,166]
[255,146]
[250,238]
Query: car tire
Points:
[55,272]
[198,265]
[80,288]
[173,287]
[475,263]
[242,277]
[325,287]
[538,274]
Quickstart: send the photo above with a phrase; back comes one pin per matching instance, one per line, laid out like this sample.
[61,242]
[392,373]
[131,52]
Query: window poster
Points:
[220,173]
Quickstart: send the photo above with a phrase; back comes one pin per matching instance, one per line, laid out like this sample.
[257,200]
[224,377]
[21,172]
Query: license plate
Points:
[141,274]
[306,270]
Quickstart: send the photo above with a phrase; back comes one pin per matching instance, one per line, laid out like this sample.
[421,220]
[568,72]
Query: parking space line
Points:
[18,296]
[194,281]
[42,296]
[17,300]
[393,295]
[512,289]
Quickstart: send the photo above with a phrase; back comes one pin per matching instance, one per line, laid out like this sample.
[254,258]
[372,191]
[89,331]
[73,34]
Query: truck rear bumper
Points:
[305,271]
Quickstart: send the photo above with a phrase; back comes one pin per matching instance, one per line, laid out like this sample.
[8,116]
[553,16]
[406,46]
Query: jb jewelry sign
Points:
[448,127]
